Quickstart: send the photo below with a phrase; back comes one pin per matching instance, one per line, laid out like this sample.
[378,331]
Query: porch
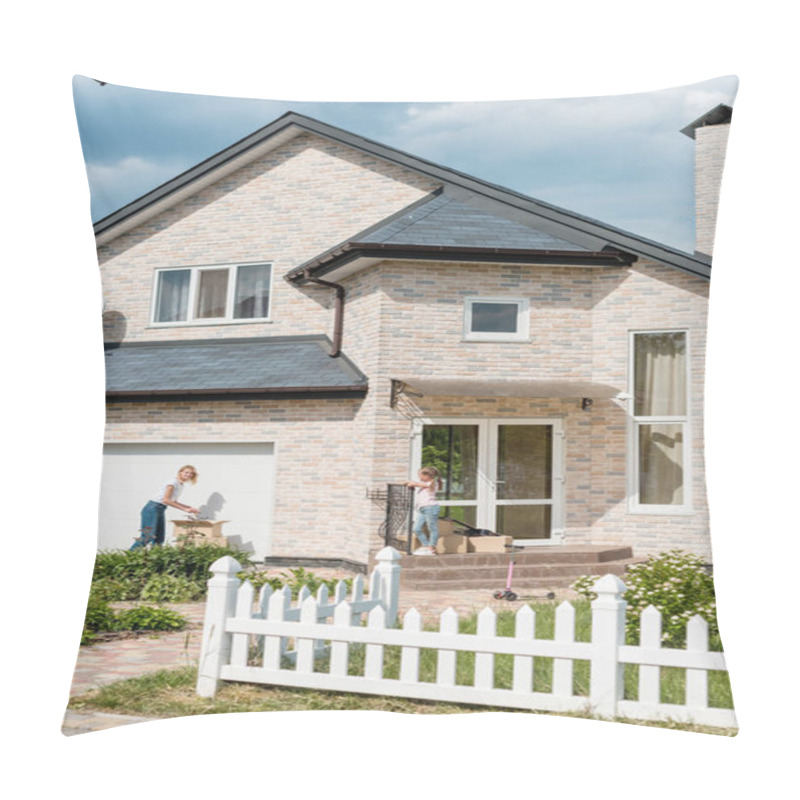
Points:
[537,570]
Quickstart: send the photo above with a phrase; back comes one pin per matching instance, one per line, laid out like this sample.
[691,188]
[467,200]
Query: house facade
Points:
[309,315]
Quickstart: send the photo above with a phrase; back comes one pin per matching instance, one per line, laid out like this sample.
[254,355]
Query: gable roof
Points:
[506,203]
[278,366]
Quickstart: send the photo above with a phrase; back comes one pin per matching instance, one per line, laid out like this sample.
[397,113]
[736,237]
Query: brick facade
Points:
[401,318]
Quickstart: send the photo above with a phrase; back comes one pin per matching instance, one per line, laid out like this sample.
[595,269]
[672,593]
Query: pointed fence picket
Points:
[313,644]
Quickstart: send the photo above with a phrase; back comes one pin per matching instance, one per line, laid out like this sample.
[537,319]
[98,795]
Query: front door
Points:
[504,475]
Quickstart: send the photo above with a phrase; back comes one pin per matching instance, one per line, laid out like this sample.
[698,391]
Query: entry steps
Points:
[541,567]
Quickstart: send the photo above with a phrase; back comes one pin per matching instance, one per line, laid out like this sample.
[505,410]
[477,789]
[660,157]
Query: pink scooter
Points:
[508,593]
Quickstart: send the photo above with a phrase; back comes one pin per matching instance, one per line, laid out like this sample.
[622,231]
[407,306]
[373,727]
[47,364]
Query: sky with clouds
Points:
[619,159]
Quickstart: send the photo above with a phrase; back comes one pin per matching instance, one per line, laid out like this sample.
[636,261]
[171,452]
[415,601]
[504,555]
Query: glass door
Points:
[525,486]
[504,475]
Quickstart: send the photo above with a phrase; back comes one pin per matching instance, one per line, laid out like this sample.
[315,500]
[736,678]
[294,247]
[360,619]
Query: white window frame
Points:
[194,282]
[485,501]
[635,423]
[522,334]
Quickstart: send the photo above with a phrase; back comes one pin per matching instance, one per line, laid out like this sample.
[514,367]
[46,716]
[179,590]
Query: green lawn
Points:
[172,693]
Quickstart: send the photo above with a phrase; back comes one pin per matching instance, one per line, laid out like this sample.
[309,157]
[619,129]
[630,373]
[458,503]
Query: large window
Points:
[212,294]
[660,462]
[488,319]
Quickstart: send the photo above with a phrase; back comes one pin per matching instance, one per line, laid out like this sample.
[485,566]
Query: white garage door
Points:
[235,483]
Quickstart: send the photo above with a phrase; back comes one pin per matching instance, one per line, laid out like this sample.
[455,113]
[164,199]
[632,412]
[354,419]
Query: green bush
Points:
[147,618]
[677,584]
[99,617]
[171,589]
[295,579]
[139,566]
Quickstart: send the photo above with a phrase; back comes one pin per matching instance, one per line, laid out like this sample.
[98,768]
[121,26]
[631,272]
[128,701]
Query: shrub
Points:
[677,584]
[171,589]
[99,617]
[139,566]
[147,618]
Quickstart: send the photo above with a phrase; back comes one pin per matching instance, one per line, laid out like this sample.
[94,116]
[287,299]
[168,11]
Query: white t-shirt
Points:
[176,491]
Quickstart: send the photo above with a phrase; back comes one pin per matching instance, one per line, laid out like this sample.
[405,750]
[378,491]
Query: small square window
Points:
[492,319]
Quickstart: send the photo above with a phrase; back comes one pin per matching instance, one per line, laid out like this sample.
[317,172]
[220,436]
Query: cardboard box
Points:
[488,544]
[199,531]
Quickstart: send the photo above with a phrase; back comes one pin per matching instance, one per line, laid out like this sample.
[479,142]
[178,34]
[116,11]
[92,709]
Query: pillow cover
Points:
[341,337]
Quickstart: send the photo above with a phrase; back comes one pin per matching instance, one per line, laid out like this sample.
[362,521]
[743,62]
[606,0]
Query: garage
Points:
[235,483]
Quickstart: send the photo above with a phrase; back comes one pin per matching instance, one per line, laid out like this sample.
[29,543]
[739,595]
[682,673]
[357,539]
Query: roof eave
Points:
[352,251]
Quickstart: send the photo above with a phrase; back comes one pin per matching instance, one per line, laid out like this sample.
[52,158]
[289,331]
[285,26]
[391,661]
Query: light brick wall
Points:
[711,142]
[285,208]
[580,324]
[400,319]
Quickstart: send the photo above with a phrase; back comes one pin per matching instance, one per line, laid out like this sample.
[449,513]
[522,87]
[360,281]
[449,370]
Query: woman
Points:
[152,530]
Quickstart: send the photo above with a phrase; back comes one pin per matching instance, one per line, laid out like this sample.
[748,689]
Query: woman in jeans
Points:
[152,530]
[427,510]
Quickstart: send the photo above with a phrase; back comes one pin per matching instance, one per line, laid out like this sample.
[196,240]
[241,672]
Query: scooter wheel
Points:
[551,595]
[511,596]
[499,595]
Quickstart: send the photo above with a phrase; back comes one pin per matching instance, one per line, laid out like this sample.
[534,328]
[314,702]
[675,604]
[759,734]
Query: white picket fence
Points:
[272,642]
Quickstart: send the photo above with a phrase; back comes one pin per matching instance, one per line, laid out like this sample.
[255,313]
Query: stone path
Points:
[107,662]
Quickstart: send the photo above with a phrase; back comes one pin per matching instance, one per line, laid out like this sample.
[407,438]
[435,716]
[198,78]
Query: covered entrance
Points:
[506,475]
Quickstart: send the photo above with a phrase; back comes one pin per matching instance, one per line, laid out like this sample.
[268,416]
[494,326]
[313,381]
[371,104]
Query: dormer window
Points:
[198,295]
[492,319]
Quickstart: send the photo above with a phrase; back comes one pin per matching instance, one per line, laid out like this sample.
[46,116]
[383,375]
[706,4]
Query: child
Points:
[152,531]
[427,510]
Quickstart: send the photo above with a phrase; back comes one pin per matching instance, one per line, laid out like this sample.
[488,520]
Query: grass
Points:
[171,693]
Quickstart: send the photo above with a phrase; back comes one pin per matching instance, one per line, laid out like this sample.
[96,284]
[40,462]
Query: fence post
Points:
[220,604]
[608,634]
[388,569]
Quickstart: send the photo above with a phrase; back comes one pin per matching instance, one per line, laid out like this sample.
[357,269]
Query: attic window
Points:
[238,292]
[491,319]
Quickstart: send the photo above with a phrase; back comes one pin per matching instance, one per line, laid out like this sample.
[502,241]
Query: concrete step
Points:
[534,555]
[534,568]
[544,576]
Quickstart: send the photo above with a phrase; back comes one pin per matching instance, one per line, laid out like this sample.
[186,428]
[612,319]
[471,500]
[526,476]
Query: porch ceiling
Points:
[476,387]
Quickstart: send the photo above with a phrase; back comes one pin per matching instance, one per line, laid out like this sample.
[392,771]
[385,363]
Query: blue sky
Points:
[620,159]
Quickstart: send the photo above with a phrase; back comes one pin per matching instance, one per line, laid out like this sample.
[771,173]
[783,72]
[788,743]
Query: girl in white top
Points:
[153,519]
[427,509]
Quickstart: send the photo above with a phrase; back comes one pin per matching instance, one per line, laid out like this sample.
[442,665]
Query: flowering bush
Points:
[676,583]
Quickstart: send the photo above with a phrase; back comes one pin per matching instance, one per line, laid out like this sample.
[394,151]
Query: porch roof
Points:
[281,366]
[483,387]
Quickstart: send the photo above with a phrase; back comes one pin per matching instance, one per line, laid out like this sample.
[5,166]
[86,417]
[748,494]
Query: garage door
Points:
[235,483]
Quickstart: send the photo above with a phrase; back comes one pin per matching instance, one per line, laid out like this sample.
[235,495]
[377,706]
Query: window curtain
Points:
[660,375]
[173,296]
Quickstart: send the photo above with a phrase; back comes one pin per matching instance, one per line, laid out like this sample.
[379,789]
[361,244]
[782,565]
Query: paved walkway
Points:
[107,662]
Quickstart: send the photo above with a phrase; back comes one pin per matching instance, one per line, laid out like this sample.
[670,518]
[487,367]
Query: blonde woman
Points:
[153,519]
[427,509]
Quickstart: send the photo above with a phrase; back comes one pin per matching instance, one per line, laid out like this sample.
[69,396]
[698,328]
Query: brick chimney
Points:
[710,133]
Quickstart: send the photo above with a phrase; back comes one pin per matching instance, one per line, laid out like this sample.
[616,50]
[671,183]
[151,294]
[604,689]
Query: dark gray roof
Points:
[563,223]
[446,222]
[719,115]
[280,366]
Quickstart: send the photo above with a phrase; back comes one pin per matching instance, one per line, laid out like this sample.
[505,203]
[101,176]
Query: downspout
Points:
[338,311]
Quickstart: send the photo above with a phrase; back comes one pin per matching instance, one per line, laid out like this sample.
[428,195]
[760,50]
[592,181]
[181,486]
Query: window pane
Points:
[466,514]
[172,301]
[453,450]
[252,291]
[494,317]
[660,374]
[524,462]
[524,522]
[212,293]
[661,465]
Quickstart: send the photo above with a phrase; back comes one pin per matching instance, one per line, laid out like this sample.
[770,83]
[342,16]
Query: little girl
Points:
[153,517]
[427,510]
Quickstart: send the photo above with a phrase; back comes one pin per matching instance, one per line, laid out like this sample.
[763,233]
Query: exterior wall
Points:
[316,497]
[711,142]
[400,319]
[580,321]
[285,208]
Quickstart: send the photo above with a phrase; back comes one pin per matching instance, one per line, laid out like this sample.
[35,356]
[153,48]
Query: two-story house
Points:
[309,315]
